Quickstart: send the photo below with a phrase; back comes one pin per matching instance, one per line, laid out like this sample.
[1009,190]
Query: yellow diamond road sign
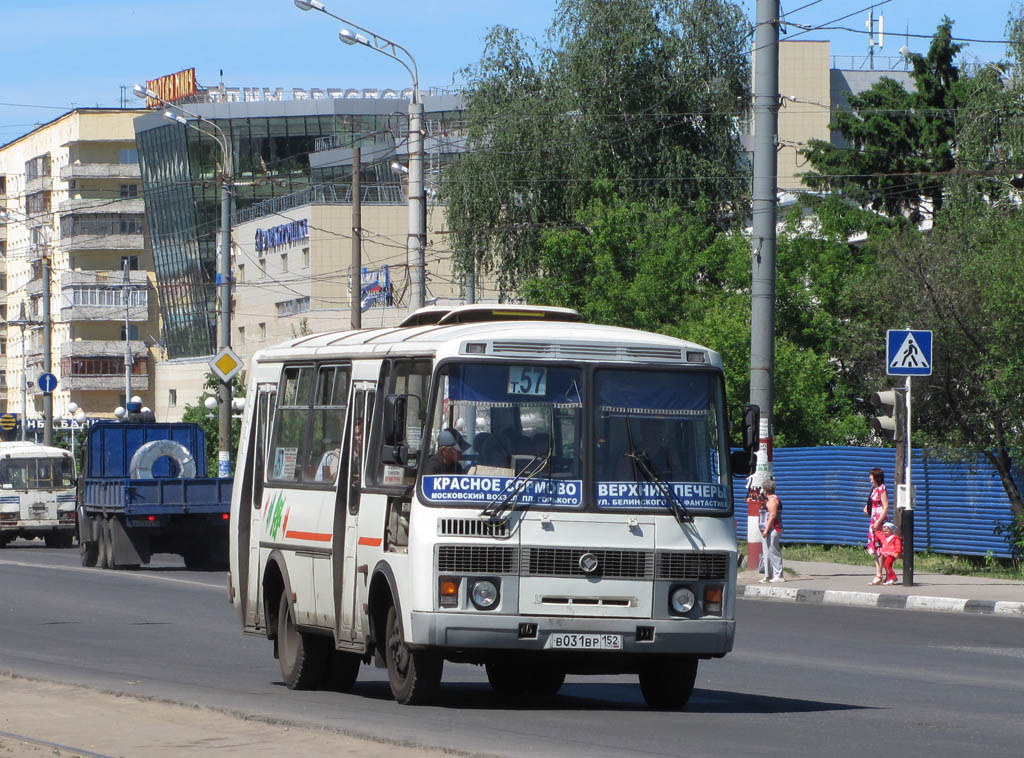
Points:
[225,364]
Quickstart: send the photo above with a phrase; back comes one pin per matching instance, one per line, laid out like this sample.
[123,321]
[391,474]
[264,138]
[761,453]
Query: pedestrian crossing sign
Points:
[908,352]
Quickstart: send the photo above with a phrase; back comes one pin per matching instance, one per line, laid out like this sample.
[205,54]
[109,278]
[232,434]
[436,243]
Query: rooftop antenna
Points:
[871,36]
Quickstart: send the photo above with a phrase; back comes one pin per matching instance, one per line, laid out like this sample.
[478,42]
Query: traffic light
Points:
[893,404]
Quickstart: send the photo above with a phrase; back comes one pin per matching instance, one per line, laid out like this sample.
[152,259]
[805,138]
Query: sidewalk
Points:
[808,582]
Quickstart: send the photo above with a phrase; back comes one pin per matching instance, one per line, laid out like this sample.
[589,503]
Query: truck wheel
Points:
[414,675]
[106,545]
[89,552]
[545,681]
[668,684]
[343,670]
[303,657]
[101,543]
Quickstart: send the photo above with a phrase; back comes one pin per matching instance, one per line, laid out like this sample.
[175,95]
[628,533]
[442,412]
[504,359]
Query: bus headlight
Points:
[681,600]
[484,594]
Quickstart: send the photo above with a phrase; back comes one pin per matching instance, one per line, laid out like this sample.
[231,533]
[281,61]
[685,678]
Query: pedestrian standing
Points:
[771,533]
[890,549]
[877,509]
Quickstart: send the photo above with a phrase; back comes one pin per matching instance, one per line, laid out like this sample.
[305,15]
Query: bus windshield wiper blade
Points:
[497,511]
[641,466]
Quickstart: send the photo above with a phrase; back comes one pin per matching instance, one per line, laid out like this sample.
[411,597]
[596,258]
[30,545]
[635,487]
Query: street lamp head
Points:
[142,92]
[72,407]
[308,5]
[350,38]
[80,416]
[119,412]
[175,117]
[136,399]
[398,167]
[210,403]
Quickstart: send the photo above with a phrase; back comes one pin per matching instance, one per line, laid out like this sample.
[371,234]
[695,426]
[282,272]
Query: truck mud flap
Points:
[131,546]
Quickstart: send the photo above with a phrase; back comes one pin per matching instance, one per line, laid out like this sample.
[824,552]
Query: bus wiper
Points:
[498,511]
[641,465]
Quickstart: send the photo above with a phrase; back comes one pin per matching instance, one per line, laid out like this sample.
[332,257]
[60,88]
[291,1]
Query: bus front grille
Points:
[565,561]
[477,559]
[689,566]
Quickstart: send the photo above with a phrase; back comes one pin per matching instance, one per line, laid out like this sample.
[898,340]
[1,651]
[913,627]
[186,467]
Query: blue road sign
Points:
[908,352]
[47,382]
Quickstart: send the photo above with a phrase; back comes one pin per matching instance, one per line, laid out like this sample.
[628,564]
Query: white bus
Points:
[37,493]
[582,521]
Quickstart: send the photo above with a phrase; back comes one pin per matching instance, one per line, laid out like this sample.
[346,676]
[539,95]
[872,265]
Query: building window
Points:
[172,398]
[37,167]
[132,260]
[99,295]
[74,224]
[37,202]
[129,155]
[263,268]
[133,331]
[241,273]
[263,331]
[291,307]
[241,335]
[129,191]
[305,257]
[105,366]
[284,261]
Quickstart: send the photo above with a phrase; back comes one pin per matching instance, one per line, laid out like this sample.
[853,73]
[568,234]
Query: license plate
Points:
[569,641]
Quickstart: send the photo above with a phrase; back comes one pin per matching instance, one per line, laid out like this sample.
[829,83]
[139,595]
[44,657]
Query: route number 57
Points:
[527,380]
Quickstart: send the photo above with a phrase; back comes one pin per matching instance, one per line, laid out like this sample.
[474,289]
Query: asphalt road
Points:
[802,681]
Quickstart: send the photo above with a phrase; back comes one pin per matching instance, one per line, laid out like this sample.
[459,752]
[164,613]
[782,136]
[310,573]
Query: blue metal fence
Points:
[823,491]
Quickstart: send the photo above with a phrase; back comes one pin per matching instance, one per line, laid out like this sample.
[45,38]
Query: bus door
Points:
[255,475]
[346,532]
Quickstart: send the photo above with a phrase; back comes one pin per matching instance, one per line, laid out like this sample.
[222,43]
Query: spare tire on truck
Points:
[141,465]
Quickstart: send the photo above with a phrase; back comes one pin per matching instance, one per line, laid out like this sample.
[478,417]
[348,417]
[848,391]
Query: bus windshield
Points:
[36,473]
[658,436]
[510,421]
[658,439]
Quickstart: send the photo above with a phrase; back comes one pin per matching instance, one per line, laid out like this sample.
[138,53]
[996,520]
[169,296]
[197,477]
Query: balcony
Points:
[103,205]
[97,296]
[103,242]
[101,360]
[38,184]
[100,171]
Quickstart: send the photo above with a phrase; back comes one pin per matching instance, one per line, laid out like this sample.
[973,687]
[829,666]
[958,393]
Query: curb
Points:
[879,600]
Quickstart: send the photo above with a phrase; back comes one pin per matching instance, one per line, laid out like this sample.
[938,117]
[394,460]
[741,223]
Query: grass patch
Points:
[933,563]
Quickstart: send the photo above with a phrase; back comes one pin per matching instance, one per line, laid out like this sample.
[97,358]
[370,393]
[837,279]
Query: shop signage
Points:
[285,234]
[223,94]
[172,87]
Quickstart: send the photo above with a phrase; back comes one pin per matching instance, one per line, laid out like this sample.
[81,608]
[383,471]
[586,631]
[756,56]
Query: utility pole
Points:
[762,290]
[126,293]
[224,291]
[47,357]
[357,237]
[417,205]
[24,323]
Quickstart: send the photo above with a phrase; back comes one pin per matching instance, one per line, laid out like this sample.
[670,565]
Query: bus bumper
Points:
[702,637]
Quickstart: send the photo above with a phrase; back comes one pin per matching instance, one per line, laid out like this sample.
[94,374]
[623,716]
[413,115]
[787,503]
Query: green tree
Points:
[900,145]
[208,420]
[669,270]
[962,281]
[642,94]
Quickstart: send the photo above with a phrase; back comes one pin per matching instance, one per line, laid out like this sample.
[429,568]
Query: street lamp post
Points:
[77,416]
[416,240]
[223,264]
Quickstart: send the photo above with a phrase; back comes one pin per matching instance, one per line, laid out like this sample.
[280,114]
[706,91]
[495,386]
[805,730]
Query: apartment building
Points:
[71,194]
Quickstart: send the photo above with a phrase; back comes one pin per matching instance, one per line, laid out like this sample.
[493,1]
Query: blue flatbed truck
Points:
[143,490]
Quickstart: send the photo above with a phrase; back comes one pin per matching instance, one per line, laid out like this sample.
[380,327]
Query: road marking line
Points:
[155,577]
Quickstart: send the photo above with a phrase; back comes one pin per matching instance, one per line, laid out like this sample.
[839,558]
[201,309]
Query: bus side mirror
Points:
[398,454]
[744,462]
[393,428]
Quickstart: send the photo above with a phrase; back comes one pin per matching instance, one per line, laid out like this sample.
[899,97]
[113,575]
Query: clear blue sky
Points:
[63,53]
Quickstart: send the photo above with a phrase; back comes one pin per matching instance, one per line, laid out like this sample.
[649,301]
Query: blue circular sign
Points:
[47,382]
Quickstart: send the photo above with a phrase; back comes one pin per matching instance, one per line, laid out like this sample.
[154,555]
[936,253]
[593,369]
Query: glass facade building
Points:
[271,145]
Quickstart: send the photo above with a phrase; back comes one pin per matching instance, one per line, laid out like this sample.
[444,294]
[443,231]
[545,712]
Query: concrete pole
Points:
[224,295]
[47,358]
[417,206]
[126,293]
[762,291]
[357,236]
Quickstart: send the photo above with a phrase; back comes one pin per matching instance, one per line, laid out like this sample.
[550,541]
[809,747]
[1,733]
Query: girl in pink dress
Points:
[877,509]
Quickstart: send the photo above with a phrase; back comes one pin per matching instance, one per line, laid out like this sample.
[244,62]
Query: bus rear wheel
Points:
[668,683]
[414,675]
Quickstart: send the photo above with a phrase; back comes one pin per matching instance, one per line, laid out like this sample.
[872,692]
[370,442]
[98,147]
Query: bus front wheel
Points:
[668,683]
[414,675]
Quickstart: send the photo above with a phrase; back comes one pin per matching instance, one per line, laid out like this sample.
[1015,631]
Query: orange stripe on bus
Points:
[311,536]
[370,541]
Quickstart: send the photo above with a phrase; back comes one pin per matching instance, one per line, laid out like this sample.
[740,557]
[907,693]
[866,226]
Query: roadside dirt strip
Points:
[39,718]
